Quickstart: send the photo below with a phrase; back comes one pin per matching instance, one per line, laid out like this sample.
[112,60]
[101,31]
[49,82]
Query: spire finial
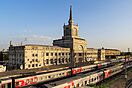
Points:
[70,19]
[70,12]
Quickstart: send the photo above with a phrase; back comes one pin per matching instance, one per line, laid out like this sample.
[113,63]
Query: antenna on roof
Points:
[21,43]
[11,43]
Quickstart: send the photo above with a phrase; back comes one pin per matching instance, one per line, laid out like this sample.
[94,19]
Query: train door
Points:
[7,85]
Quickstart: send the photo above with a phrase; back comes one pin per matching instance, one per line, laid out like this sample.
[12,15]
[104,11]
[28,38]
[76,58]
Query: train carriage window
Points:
[85,82]
[92,79]
[3,85]
[97,77]
[41,78]
[17,84]
[46,77]
[9,85]
[63,73]
[77,85]
[49,76]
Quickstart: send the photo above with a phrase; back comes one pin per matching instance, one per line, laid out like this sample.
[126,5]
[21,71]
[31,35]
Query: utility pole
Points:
[127,57]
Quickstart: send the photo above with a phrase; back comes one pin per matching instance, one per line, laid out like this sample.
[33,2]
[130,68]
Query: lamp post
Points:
[127,57]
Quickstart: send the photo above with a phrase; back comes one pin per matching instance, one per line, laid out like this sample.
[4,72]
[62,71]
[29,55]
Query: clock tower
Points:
[70,38]
[70,30]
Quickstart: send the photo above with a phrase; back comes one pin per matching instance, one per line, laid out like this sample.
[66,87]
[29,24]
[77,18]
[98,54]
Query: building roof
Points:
[39,45]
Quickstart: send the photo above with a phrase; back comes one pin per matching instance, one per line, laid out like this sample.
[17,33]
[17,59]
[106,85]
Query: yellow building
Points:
[35,56]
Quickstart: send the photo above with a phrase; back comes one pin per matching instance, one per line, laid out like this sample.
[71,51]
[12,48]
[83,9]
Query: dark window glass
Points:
[47,54]
[36,55]
[80,54]
[47,61]
[51,61]
[29,65]
[59,60]
[33,55]
[62,60]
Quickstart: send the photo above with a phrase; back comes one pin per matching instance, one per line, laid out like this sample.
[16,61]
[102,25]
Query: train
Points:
[22,81]
[85,79]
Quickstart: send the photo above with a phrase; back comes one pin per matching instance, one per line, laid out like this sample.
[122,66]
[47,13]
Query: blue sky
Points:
[103,23]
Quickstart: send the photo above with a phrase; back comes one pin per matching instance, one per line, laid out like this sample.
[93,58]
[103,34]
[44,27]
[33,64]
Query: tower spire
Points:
[70,18]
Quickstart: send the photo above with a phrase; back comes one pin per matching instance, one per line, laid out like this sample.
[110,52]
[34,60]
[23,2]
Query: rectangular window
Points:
[51,61]
[47,61]
[80,54]
[47,54]
[32,65]
[55,54]
[33,55]
[36,55]
[51,54]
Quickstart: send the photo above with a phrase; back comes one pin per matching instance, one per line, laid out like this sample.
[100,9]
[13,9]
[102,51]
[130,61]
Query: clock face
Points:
[80,48]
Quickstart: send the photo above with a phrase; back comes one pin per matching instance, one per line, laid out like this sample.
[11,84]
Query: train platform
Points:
[29,71]
[15,73]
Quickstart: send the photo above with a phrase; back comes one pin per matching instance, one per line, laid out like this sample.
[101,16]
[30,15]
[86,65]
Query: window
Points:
[62,60]
[33,60]
[51,61]
[32,65]
[49,76]
[55,54]
[47,61]
[17,84]
[36,65]
[47,54]
[51,54]
[69,59]
[59,60]
[85,82]
[66,60]
[36,55]
[80,54]
[33,55]
[62,53]
[29,65]
[36,60]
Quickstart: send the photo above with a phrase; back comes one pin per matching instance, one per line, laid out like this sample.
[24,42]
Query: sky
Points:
[103,23]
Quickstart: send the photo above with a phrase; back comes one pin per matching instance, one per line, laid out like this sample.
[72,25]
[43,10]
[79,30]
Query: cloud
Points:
[39,37]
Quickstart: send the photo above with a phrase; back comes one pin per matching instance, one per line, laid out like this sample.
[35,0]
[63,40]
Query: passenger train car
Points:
[87,79]
[47,76]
